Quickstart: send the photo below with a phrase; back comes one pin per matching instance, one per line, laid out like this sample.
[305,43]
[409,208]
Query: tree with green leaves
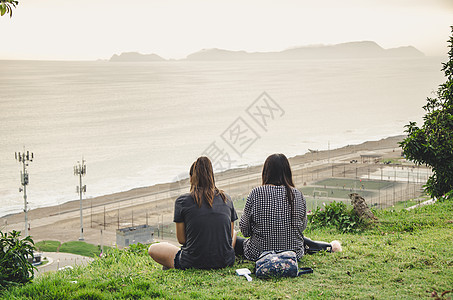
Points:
[432,143]
[6,7]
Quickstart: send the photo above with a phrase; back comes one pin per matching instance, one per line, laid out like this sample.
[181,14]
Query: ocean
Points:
[138,124]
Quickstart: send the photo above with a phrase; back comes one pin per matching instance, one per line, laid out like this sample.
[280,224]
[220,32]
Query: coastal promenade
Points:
[154,205]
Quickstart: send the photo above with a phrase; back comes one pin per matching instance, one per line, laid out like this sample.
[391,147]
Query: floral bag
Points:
[279,264]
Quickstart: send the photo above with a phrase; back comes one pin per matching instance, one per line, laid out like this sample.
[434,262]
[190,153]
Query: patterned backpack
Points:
[279,264]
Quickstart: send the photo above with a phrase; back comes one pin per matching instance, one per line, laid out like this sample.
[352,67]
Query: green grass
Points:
[81,248]
[355,183]
[74,247]
[408,203]
[333,193]
[406,255]
[48,246]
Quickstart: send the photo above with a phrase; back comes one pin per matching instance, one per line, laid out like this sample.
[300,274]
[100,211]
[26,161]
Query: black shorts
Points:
[177,260]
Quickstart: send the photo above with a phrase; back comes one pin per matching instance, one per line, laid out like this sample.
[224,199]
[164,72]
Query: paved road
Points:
[59,260]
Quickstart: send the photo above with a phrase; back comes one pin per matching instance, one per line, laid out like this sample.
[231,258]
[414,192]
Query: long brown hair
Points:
[277,171]
[202,183]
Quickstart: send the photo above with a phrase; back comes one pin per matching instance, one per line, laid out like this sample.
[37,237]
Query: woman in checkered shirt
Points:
[275,215]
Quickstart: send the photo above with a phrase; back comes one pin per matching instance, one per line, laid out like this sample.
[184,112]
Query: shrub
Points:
[337,214]
[14,266]
[446,197]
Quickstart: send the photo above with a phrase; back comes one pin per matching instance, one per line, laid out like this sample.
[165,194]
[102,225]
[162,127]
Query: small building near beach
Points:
[142,234]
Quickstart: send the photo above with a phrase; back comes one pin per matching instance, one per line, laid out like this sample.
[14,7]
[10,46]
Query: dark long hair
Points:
[202,183]
[277,171]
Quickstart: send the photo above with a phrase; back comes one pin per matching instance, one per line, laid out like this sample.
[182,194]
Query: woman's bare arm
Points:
[181,233]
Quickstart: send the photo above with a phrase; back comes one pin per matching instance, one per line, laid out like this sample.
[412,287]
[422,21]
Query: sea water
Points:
[138,124]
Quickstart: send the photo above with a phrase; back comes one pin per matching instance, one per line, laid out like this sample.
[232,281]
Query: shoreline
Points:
[145,190]
[154,204]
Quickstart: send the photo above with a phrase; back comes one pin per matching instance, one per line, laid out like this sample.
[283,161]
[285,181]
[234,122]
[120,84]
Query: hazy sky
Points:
[92,29]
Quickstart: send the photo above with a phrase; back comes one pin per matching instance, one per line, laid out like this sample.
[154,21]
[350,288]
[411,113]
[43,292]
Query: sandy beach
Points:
[154,205]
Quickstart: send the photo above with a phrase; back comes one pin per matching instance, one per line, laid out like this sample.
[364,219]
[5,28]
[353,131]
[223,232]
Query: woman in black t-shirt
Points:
[204,225]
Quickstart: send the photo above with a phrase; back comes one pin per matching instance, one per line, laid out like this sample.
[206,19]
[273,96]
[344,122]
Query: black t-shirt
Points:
[208,232]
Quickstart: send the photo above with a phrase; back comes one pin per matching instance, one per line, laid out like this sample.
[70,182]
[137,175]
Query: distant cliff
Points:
[135,56]
[365,49]
[408,51]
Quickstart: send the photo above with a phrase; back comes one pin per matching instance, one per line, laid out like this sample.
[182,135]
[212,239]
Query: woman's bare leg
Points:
[163,253]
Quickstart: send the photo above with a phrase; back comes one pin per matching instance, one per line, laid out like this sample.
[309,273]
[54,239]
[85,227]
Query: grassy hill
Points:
[407,255]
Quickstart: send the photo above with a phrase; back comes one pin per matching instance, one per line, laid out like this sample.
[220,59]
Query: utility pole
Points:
[24,158]
[328,151]
[80,169]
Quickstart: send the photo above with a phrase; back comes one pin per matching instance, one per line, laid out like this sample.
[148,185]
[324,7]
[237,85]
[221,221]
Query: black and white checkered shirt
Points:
[267,221]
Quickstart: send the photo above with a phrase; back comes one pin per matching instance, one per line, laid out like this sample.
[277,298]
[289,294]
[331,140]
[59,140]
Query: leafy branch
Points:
[432,143]
[6,7]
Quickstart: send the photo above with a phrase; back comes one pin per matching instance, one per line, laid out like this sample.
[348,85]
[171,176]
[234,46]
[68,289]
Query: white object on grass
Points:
[336,246]
[244,272]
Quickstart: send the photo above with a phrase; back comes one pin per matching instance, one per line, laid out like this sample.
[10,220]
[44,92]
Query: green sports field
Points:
[355,183]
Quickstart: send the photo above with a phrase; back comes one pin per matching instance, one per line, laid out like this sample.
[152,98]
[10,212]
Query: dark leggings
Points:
[311,247]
